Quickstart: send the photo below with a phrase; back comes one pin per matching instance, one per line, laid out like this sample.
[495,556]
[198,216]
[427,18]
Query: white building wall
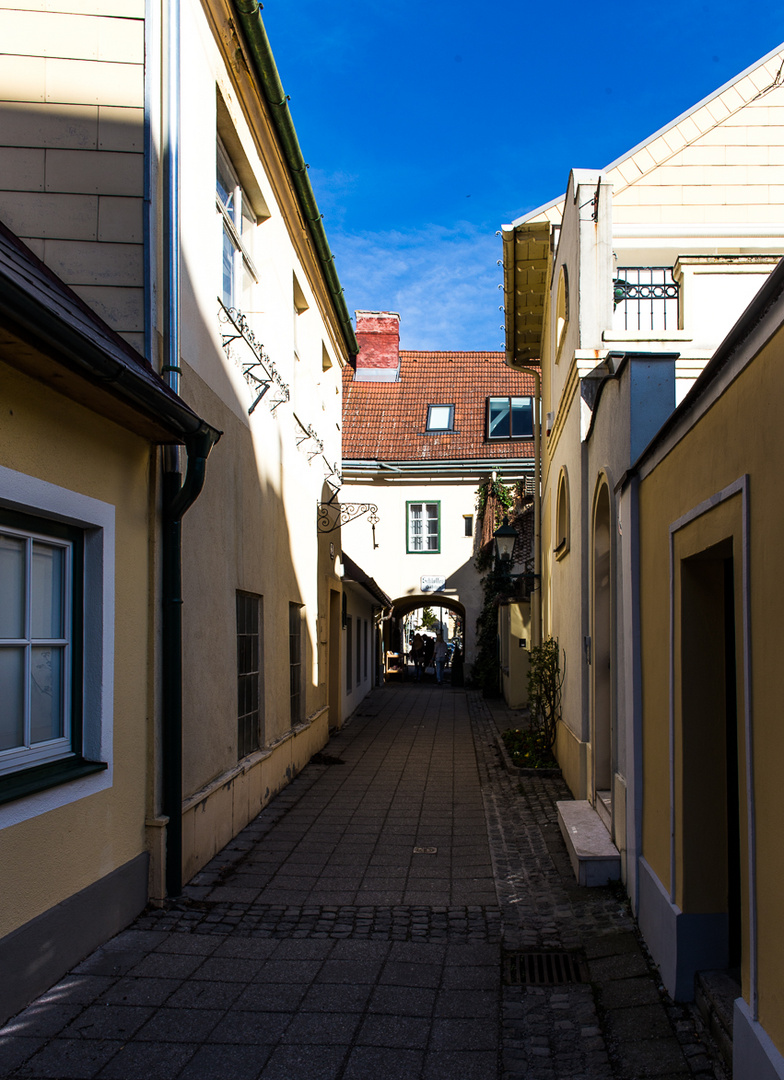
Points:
[399,572]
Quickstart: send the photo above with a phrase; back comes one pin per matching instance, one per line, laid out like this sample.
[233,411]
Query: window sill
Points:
[40,777]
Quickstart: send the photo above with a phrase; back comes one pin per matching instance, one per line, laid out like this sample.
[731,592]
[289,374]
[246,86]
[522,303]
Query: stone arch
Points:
[404,605]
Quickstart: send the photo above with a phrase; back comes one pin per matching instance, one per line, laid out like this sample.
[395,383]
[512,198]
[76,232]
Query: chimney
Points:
[378,334]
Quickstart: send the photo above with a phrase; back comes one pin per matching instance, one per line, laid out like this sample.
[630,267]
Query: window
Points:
[56,646]
[562,516]
[423,533]
[348,653]
[468,524]
[300,307]
[440,417]
[239,273]
[561,311]
[359,651]
[295,662]
[248,673]
[40,635]
[366,648]
[510,418]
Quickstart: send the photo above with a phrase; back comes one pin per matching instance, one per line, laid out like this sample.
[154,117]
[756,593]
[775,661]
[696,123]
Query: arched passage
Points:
[400,625]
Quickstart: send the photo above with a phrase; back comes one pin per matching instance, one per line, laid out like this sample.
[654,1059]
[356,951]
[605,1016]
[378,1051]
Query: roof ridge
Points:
[660,133]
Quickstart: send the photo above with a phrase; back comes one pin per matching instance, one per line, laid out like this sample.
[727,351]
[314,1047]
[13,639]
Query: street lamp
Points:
[505,536]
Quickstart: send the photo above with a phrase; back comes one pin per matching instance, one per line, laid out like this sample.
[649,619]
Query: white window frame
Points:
[432,413]
[232,216]
[28,754]
[415,542]
[27,494]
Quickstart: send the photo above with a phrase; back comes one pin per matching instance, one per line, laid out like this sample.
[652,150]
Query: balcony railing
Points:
[645,299]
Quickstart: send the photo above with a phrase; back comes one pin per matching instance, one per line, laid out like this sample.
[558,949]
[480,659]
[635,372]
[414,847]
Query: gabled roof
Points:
[51,334]
[753,84]
[386,421]
[662,183]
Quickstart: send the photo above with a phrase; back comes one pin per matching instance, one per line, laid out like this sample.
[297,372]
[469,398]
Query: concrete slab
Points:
[594,857]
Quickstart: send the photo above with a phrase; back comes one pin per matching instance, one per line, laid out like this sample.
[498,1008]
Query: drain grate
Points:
[543,969]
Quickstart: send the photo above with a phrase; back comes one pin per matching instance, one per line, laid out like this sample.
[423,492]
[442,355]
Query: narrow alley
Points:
[374,921]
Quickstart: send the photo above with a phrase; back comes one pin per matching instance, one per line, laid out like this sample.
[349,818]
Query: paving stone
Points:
[384,1063]
[318,946]
[147,1061]
[71,1059]
[466,1064]
[412,1032]
[15,1049]
[304,1063]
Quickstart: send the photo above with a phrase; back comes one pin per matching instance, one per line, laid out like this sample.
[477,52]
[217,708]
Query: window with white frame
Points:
[510,418]
[40,602]
[238,271]
[440,418]
[423,527]
[57,570]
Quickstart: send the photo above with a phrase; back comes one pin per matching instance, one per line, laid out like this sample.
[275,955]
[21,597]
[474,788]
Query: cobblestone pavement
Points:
[359,928]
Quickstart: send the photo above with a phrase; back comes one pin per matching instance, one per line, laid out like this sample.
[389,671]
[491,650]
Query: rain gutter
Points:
[249,15]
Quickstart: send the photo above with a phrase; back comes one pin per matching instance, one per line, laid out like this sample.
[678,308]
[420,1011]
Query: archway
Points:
[449,618]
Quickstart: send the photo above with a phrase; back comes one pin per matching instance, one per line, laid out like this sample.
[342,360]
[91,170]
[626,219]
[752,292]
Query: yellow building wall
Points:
[740,434]
[50,857]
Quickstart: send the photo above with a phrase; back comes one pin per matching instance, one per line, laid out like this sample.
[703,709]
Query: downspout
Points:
[249,16]
[536,620]
[178,497]
[509,315]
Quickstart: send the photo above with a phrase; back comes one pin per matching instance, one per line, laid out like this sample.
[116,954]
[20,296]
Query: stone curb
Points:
[517,770]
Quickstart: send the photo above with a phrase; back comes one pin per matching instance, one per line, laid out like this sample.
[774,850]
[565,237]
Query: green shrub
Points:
[528,749]
[545,680]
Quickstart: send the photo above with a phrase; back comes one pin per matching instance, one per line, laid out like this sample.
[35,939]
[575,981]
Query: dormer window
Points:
[510,418]
[440,418]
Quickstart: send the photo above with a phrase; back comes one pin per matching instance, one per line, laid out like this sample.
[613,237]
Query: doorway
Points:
[709,816]
[601,659]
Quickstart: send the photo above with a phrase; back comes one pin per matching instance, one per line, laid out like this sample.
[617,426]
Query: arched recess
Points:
[561,311]
[602,570]
[562,516]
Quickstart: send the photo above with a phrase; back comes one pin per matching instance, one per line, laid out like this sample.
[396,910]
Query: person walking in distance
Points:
[417,656]
[440,657]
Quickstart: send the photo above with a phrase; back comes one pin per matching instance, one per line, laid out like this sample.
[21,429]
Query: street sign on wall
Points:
[432,583]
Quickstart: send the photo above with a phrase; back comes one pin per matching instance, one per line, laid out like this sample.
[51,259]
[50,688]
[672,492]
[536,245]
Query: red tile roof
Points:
[387,421]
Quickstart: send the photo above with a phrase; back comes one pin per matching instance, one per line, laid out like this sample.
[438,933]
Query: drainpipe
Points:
[536,614]
[176,497]
[509,309]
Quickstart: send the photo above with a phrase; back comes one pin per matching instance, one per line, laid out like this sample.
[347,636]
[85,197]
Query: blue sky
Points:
[428,125]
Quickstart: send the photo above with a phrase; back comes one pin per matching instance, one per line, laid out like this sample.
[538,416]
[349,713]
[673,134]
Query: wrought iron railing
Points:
[645,299]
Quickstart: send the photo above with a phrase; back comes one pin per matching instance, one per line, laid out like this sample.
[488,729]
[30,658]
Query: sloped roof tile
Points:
[387,421]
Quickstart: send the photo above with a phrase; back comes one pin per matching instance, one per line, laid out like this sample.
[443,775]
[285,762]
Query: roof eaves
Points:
[40,309]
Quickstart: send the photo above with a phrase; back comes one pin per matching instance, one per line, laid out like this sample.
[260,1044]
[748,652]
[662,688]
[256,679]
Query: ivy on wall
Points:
[494,498]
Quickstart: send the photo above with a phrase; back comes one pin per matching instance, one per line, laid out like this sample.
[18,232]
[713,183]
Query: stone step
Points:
[594,857]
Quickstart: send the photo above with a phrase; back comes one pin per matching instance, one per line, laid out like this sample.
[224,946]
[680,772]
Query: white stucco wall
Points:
[399,572]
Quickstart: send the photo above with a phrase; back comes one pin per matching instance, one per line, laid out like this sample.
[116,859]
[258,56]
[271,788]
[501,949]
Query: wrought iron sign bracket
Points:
[332,515]
[308,433]
[259,373]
